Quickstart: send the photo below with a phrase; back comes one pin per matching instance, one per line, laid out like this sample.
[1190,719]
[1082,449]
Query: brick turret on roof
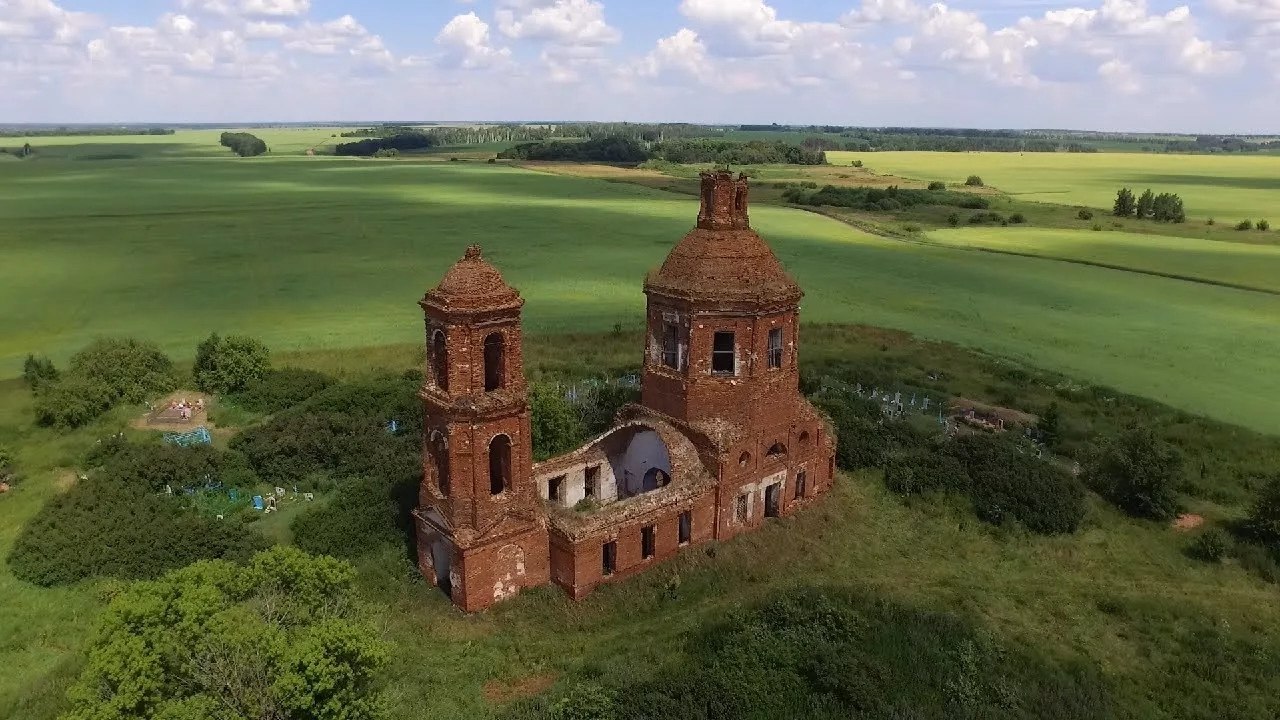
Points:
[473,284]
[723,258]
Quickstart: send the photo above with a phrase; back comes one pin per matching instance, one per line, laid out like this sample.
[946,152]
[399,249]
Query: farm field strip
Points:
[1227,188]
[1239,265]
[320,252]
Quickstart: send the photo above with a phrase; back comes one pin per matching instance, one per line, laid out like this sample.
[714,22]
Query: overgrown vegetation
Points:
[887,199]
[280,637]
[399,139]
[1139,472]
[280,389]
[120,522]
[1165,207]
[618,149]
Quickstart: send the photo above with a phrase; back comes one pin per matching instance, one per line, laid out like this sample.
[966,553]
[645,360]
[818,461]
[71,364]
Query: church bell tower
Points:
[481,534]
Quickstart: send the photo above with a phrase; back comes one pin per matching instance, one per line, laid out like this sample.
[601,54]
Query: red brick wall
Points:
[499,570]
[578,567]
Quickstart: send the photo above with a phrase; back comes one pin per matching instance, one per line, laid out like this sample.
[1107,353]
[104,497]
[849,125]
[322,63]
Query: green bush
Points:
[6,461]
[282,636]
[953,219]
[292,447]
[985,217]
[937,185]
[973,181]
[1244,225]
[1085,214]
[1263,523]
[154,466]
[1008,484]
[72,402]
[856,163]
[1138,472]
[556,426]
[822,654]
[227,364]
[127,370]
[1263,225]
[105,526]
[364,514]
[281,389]
[1211,545]
[39,372]
[1017,218]
[919,471]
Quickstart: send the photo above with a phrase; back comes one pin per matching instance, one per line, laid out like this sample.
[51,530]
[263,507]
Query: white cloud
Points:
[466,43]
[248,8]
[562,22]
[42,19]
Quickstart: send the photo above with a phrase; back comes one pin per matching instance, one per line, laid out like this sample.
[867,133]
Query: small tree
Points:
[39,372]
[1125,204]
[128,369]
[1167,207]
[1244,225]
[1146,205]
[1138,471]
[973,181]
[556,426]
[1085,214]
[1050,425]
[953,219]
[1263,225]
[1263,523]
[937,185]
[229,364]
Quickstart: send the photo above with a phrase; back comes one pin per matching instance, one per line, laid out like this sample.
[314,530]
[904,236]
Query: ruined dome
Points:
[723,258]
[473,284]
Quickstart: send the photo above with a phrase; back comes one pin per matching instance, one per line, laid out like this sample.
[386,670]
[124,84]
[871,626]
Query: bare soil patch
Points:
[505,691]
[161,417]
[1187,521]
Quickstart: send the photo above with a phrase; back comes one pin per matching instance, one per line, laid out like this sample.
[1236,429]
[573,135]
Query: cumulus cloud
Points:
[466,43]
[562,22]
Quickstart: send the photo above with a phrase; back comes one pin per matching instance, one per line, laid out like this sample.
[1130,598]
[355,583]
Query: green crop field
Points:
[324,252]
[182,143]
[1227,188]
[1234,264]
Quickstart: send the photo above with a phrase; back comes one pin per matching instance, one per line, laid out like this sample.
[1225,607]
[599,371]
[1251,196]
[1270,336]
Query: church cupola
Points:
[724,201]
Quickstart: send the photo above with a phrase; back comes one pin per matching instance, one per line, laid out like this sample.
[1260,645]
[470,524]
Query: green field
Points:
[1226,263]
[1212,186]
[182,143]
[325,252]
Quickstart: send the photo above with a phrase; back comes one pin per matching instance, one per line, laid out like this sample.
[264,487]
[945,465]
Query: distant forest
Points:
[80,131]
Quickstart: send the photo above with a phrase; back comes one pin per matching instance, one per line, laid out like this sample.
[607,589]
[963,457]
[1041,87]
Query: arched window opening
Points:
[439,360]
[440,455]
[744,459]
[499,464]
[494,360]
[740,200]
[777,450]
[804,437]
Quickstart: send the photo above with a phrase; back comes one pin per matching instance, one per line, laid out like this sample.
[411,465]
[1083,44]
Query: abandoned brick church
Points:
[721,439]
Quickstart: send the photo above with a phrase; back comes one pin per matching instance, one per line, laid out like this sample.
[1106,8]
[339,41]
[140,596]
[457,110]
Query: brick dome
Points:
[473,284]
[723,258]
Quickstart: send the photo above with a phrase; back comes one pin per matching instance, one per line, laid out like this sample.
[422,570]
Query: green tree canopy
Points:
[1263,523]
[1138,471]
[281,637]
[1125,205]
[1146,204]
[229,364]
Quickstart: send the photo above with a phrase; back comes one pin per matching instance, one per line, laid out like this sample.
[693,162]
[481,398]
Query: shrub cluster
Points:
[1011,485]
[280,389]
[1139,472]
[826,654]
[364,514]
[887,199]
[243,144]
[400,139]
[106,372]
[606,149]
[38,372]
[227,364]
[1165,207]
[340,432]
[116,523]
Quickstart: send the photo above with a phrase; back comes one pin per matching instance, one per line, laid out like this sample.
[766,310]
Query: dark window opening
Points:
[609,558]
[591,488]
[671,345]
[707,201]
[773,500]
[740,200]
[801,481]
[740,509]
[775,348]
[499,464]
[646,542]
[439,361]
[744,459]
[722,354]
[804,437]
[777,450]
[440,454]
[494,359]
[686,527]
[555,489]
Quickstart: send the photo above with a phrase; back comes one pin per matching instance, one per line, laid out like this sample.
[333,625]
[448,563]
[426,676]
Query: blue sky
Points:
[1091,64]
